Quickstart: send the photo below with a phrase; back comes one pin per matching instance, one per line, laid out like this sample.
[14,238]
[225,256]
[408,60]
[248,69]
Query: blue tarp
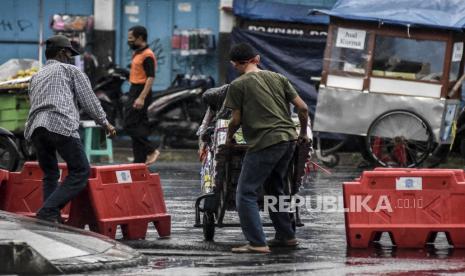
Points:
[266,10]
[297,58]
[445,14]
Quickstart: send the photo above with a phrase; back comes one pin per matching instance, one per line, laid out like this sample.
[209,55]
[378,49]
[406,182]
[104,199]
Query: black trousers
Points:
[71,150]
[137,126]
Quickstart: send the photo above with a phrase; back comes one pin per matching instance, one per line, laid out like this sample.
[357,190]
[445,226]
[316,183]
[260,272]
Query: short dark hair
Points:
[139,31]
[242,52]
[52,52]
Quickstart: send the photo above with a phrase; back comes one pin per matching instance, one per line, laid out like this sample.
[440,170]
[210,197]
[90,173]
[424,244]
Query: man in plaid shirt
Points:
[53,122]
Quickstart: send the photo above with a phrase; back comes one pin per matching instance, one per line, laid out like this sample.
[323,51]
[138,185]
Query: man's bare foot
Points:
[152,158]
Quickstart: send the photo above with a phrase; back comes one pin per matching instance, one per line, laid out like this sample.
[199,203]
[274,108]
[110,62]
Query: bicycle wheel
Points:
[399,138]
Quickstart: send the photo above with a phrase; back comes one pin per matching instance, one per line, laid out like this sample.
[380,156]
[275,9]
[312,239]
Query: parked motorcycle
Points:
[174,114]
[108,90]
[9,153]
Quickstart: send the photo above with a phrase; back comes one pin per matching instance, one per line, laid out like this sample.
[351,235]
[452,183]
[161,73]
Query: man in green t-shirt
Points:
[260,102]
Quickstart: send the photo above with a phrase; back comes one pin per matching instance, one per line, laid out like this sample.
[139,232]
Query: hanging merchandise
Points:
[188,42]
[78,28]
[176,39]
[76,23]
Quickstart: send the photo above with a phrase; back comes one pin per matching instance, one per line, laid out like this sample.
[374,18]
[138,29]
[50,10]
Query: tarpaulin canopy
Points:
[445,14]
[297,58]
[266,10]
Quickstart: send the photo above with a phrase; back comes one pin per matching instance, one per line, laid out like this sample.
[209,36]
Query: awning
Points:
[444,14]
[265,10]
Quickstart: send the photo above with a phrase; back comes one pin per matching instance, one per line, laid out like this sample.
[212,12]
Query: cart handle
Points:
[456,86]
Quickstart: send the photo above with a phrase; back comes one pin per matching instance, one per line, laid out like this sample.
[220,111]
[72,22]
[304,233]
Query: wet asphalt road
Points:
[322,250]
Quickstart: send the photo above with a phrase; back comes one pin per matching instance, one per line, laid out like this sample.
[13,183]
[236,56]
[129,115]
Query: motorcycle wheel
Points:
[9,154]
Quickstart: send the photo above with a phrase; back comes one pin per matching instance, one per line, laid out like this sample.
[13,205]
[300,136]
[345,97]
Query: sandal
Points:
[251,249]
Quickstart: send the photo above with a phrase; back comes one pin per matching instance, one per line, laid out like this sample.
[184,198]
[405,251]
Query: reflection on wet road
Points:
[322,250]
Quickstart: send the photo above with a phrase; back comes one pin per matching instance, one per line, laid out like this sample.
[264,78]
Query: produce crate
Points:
[14,101]
[14,108]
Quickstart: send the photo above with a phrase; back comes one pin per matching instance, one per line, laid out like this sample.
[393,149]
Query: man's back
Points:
[53,104]
[263,98]
[55,92]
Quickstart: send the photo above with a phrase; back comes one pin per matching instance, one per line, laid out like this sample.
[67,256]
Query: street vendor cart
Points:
[15,75]
[392,72]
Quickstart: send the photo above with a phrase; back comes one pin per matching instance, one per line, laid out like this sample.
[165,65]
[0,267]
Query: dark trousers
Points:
[137,126]
[271,163]
[141,147]
[56,196]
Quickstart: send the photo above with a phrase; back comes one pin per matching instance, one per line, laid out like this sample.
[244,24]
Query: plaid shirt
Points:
[55,92]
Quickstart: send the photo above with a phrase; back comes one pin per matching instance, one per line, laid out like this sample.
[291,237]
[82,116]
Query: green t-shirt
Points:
[263,98]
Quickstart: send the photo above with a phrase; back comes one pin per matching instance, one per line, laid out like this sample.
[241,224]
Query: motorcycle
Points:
[108,90]
[9,153]
[174,114]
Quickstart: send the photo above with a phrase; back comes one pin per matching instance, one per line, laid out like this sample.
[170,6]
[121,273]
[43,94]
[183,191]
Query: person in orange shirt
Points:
[141,77]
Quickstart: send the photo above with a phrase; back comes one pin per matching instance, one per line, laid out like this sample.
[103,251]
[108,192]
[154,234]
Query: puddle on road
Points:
[322,250]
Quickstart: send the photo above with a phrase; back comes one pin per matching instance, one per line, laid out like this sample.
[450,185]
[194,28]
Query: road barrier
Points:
[3,178]
[23,193]
[412,205]
[128,196]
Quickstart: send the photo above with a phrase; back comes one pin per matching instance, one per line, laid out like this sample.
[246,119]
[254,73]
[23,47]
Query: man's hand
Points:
[110,130]
[303,139]
[230,141]
[138,103]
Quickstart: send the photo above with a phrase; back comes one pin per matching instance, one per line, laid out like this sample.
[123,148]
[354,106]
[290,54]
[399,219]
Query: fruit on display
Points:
[20,80]
[24,73]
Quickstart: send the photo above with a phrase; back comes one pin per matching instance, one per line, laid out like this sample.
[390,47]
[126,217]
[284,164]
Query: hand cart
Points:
[224,166]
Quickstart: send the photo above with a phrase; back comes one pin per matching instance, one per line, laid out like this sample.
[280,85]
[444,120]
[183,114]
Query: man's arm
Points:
[302,112]
[139,102]
[89,102]
[234,125]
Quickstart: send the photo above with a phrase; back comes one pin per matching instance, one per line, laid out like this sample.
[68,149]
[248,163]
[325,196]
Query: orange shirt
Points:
[137,74]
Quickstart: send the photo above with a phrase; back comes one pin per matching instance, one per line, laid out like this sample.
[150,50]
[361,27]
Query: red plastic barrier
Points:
[126,195]
[459,173]
[412,205]
[23,193]
[4,175]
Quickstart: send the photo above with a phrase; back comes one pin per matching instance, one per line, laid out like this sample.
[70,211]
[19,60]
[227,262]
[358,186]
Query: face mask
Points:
[132,45]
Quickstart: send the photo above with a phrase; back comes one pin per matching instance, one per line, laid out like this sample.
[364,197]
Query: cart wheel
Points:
[221,203]
[331,160]
[399,138]
[208,226]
